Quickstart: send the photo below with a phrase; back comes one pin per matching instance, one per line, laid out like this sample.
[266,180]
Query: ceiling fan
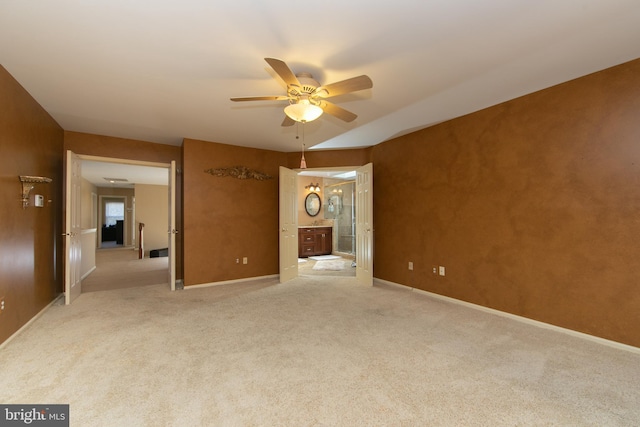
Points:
[307,98]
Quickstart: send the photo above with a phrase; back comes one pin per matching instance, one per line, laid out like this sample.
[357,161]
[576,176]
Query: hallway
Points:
[120,268]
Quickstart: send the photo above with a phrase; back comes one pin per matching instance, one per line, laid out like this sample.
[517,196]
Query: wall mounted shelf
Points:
[28,183]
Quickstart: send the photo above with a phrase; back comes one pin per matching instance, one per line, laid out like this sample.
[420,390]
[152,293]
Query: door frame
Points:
[168,166]
[319,171]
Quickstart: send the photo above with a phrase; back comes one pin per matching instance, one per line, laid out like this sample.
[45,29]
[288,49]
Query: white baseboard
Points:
[26,325]
[582,335]
[84,276]
[230,282]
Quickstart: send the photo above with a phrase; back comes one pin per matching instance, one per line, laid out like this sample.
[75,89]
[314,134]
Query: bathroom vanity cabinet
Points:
[314,241]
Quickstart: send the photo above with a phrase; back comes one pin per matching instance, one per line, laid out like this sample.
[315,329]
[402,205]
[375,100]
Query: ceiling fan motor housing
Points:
[307,86]
[305,93]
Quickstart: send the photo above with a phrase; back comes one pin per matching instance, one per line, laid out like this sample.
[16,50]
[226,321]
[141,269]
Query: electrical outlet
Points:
[441,270]
[435,269]
[410,265]
[237,260]
[245,260]
[2,305]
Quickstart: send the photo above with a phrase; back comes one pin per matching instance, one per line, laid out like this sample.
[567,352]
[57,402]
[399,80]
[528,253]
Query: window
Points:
[113,211]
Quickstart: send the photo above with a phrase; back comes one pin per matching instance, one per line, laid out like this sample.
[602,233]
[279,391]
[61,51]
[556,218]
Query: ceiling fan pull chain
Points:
[303,162]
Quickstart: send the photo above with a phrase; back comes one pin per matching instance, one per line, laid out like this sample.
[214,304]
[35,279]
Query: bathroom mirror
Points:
[312,204]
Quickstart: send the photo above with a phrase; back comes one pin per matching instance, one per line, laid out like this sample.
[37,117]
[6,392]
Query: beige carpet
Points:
[316,351]
[121,268]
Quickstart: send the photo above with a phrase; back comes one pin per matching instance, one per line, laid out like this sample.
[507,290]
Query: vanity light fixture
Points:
[314,188]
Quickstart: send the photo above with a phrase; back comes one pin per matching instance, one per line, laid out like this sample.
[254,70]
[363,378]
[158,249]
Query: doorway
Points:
[335,192]
[107,203]
[298,222]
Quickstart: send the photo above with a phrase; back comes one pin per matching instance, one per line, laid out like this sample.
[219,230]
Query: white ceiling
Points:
[125,175]
[164,70]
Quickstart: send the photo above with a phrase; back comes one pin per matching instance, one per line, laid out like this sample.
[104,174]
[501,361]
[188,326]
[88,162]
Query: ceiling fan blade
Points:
[261,98]
[288,121]
[345,86]
[338,112]
[283,71]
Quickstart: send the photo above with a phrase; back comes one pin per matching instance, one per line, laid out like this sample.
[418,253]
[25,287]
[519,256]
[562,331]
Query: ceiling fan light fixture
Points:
[303,112]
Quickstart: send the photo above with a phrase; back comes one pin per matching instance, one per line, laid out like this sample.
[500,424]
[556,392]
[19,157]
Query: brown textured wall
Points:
[121,148]
[228,218]
[130,149]
[30,239]
[532,206]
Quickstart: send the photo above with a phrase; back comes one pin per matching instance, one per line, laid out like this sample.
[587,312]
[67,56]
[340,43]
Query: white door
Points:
[73,250]
[364,225]
[288,224]
[172,225]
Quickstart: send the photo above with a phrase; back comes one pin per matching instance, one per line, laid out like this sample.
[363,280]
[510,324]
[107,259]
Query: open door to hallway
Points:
[72,229]
[172,226]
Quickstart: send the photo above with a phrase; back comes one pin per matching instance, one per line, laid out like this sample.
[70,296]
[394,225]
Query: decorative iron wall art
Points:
[239,172]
